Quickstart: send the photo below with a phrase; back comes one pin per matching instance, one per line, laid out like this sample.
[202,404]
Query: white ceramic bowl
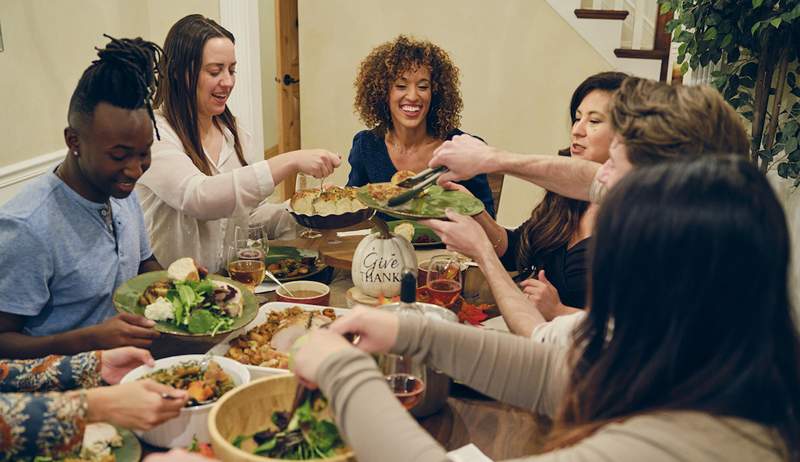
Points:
[257,372]
[192,421]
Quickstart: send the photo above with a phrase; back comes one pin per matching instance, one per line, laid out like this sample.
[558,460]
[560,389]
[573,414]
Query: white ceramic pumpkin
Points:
[379,260]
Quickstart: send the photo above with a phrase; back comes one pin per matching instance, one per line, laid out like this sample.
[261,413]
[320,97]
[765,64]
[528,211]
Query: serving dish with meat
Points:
[263,345]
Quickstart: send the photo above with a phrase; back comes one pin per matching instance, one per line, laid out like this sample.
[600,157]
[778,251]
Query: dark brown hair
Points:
[556,218]
[387,63]
[660,122]
[177,92]
[670,331]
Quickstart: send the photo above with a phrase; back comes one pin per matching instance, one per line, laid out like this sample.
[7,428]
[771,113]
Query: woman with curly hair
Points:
[407,94]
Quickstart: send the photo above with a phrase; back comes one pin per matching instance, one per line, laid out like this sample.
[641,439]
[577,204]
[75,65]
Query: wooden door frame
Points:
[287,55]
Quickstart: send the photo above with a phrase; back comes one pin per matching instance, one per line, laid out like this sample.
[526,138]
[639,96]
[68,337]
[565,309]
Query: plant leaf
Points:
[757,3]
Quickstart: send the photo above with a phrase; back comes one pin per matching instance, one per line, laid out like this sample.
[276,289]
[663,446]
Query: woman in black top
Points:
[407,94]
[549,249]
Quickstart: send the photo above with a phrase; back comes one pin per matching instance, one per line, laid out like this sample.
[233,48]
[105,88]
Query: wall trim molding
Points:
[241,18]
[19,172]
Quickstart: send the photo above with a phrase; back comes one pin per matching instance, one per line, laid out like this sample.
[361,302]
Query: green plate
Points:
[419,231]
[126,298]
[430,204]
[131,449]
[276,254]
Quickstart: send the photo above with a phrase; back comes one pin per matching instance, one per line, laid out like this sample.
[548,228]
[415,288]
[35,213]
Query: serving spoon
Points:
[272,276]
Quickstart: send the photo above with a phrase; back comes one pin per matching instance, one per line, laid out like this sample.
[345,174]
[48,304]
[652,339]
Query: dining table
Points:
[499,430]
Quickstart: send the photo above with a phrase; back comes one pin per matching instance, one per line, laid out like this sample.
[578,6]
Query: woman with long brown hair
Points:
[683,354]
[205,172]
[549,249]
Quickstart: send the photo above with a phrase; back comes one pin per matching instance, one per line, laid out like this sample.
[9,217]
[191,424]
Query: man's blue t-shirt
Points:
[60,262]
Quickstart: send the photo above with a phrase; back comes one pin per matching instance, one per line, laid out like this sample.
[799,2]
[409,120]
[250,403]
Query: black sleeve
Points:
[358,174]
[509,259]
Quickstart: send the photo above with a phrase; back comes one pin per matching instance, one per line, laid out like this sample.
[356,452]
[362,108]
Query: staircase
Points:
[629,34]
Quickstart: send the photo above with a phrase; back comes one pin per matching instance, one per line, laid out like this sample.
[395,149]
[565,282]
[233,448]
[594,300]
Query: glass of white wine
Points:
[246,264]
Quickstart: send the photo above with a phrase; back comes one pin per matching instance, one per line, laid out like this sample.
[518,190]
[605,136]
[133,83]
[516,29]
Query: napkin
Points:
[358,232]
[468,453]
[265,287]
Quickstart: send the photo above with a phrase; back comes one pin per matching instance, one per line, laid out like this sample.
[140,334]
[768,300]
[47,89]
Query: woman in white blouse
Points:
[200,184]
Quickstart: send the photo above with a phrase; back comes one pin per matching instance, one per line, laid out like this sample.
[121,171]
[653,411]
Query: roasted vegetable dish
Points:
[203,384]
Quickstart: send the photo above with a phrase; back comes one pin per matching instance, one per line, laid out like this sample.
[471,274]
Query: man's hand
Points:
[462,234]
[465,157]
[119,361]
[125,329]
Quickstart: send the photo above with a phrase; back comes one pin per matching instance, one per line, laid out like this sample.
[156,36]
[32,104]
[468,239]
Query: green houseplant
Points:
[756,43]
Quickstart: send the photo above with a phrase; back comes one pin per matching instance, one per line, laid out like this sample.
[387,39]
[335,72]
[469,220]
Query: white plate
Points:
[257,372]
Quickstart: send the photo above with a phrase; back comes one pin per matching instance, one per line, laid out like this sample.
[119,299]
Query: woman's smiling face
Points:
[217,76]
[410,98]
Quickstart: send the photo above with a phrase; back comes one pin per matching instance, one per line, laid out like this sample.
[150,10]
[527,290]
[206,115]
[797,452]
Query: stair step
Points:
[585,13]
[641,54]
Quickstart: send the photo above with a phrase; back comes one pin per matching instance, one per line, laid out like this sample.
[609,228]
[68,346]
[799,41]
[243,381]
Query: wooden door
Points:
[288,82]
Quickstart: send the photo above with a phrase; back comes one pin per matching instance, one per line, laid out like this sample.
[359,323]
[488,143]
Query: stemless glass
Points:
[405,377]
[246,264]
[444,280]
[254,236]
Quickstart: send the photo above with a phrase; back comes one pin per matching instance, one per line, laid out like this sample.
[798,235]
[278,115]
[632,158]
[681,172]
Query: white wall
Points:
[269,92]
[519,64]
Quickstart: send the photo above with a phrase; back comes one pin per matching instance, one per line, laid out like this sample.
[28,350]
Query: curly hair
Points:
[387,63]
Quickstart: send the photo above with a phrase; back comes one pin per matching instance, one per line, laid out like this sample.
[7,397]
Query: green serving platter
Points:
[430,204]
[126,299]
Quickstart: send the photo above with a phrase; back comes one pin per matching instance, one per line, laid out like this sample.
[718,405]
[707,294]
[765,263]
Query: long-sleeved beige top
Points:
[190,214]
[517,371]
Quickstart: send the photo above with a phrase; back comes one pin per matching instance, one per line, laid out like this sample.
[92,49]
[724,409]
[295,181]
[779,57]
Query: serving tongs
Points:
[418,183]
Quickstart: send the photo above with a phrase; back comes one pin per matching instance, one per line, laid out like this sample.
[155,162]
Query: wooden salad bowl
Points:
[247,409]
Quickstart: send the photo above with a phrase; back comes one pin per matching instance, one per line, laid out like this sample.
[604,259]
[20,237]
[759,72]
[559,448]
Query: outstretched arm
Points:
[466,157]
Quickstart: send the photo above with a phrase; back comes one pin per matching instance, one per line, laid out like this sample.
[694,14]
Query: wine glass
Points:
[444,280]
[405,377]
[254,235]
[246,264]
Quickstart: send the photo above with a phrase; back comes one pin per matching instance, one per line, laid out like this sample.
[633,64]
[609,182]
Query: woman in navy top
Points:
[407,94]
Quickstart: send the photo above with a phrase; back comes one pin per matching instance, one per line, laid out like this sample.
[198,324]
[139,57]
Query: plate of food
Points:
[429,204]
[103,442]
[419,235]
[291,263]
[332,208]
[263,345]
[187,303]
[205,379]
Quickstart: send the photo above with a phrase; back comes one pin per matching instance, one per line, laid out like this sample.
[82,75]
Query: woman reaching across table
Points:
[407,94]
[674,361]
[200,183]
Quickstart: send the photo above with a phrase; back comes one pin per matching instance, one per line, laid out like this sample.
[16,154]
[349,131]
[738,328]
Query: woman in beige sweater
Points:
[688,352]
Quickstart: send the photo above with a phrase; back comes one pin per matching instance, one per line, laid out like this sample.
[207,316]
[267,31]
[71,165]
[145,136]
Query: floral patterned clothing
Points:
[36,417]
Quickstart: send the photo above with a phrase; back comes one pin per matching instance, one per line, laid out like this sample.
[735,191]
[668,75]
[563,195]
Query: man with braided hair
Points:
[75,234]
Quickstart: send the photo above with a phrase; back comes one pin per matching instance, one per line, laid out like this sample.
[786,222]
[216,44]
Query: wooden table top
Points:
[499,430]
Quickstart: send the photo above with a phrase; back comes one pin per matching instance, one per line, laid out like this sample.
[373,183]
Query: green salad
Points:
[299,437]
[200,307]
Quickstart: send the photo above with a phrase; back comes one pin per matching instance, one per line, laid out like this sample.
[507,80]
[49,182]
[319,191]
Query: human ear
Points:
[72,140]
